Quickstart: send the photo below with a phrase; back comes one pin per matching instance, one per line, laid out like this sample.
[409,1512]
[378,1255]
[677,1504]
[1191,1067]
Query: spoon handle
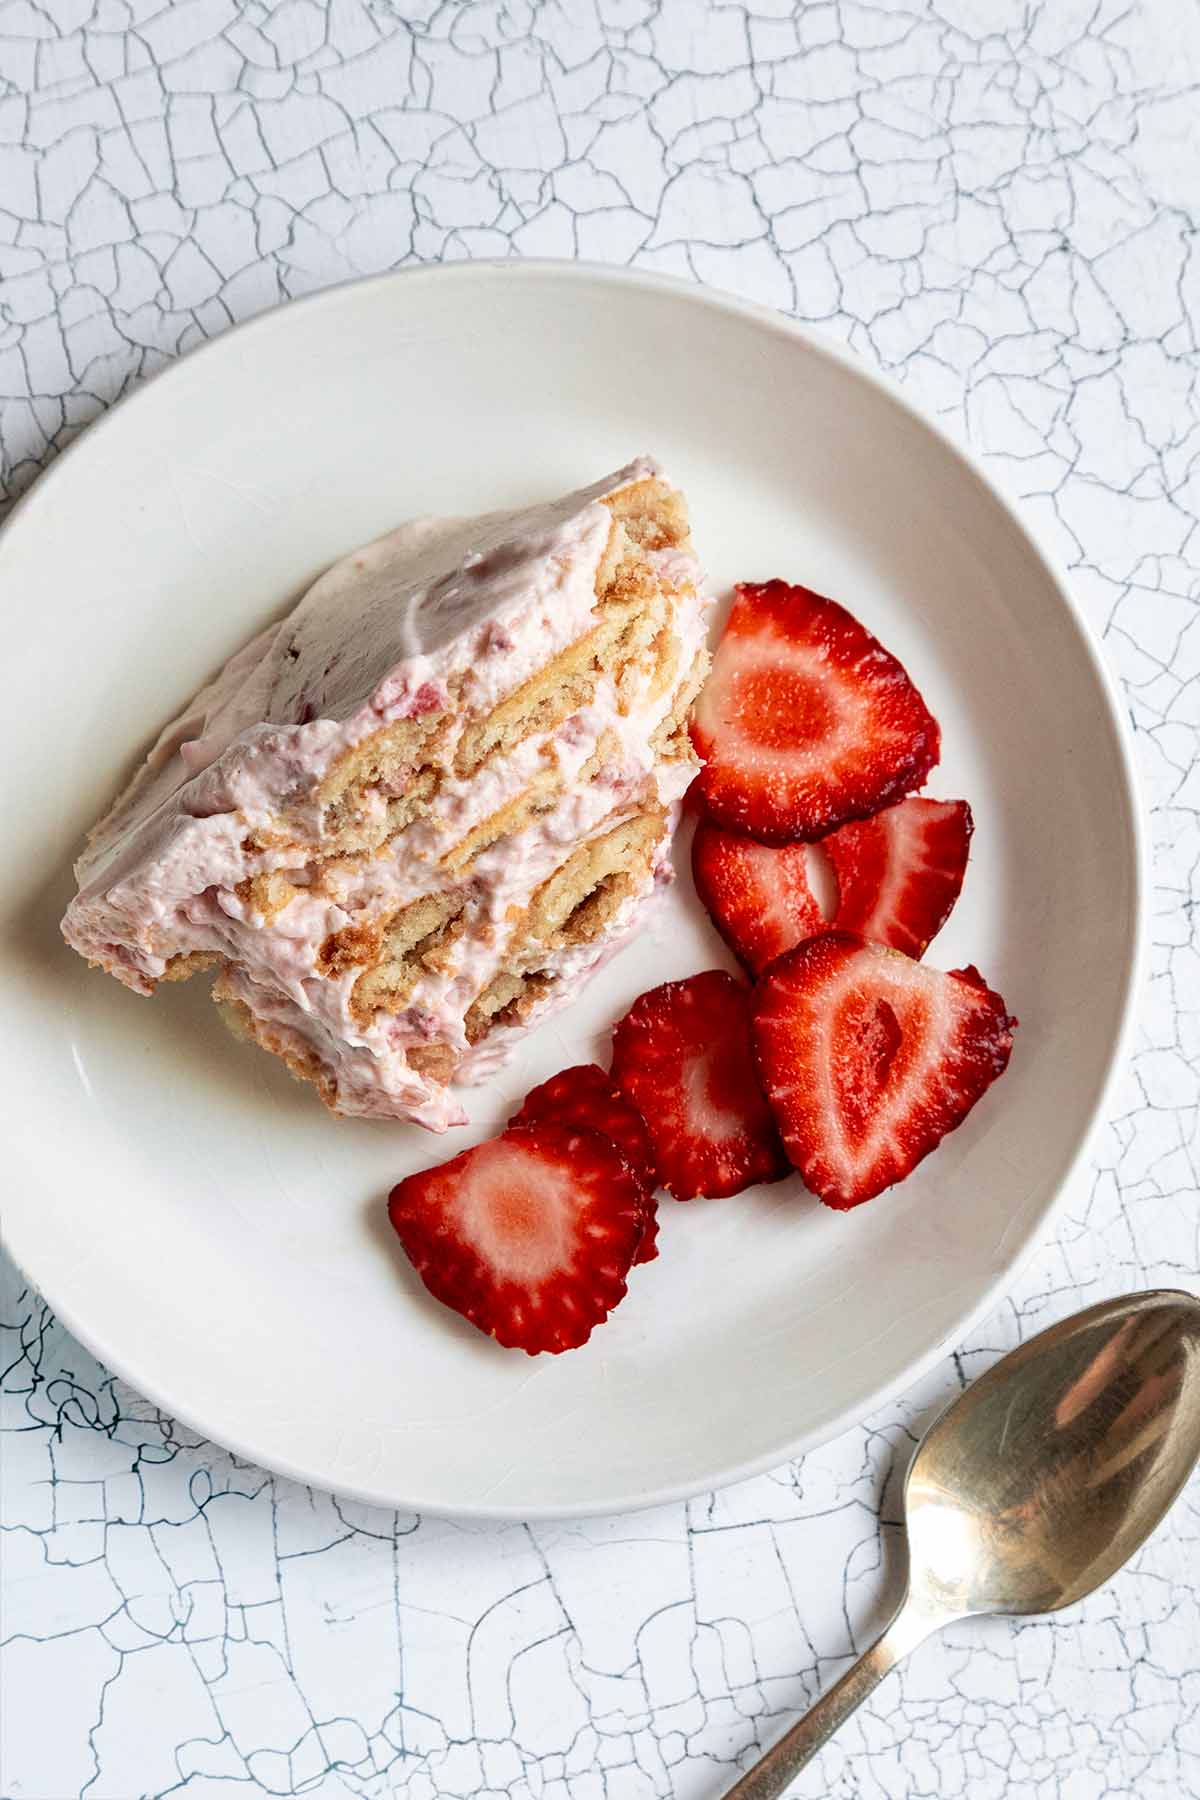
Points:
[783,1761]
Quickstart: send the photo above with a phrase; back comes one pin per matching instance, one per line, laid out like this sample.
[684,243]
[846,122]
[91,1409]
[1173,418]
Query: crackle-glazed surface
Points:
[996,203]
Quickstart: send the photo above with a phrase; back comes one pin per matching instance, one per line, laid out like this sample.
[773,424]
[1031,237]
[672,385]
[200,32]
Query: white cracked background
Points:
[997,202]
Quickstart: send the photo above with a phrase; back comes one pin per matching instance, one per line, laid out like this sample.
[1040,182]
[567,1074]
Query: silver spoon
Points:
[1032,1489]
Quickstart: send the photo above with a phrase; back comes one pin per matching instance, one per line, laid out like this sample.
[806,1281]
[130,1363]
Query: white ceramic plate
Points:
[198,1219]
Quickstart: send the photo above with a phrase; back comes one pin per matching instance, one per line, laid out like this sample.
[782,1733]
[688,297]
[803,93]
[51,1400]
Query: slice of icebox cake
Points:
[409,821]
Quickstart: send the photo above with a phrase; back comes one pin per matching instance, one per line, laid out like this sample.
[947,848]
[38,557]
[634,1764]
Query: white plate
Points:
[195,1216]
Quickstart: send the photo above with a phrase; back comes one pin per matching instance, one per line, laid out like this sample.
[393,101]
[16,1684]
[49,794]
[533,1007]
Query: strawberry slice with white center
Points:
[869,1059]
[682,1055]
[529,1236]
[756,894]
[585,1095]
[900,873]
[805,720]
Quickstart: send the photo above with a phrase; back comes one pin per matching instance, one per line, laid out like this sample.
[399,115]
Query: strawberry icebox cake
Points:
[408,822]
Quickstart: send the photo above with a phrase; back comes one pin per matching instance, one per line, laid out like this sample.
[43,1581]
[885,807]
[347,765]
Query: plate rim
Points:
[534,270]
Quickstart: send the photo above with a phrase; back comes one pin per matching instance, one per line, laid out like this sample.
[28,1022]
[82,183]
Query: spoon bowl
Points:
[1040,1481]
[1032,1489]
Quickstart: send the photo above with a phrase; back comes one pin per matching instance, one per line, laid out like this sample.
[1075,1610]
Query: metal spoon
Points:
[1032,1489]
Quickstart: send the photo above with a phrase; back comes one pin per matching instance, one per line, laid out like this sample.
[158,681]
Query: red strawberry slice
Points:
[900,873]
[682,1055]
[585,1095]
[869,1059]
[805,720]
[757,894]
[529,1236]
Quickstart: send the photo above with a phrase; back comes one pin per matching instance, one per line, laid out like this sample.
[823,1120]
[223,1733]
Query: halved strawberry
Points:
[805,720]
[682,1055]
[757,894]
[530,1236]
[869,1059]
[900,873]
[585,1095]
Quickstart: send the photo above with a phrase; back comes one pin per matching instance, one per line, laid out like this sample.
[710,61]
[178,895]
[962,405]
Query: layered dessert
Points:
[410,820]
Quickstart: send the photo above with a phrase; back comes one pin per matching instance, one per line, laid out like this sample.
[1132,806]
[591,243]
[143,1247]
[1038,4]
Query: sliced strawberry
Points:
[757,894]
[682,1055]
[585,1095]
[900,873]
[869,1059]
[529,1236]
[805,720]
